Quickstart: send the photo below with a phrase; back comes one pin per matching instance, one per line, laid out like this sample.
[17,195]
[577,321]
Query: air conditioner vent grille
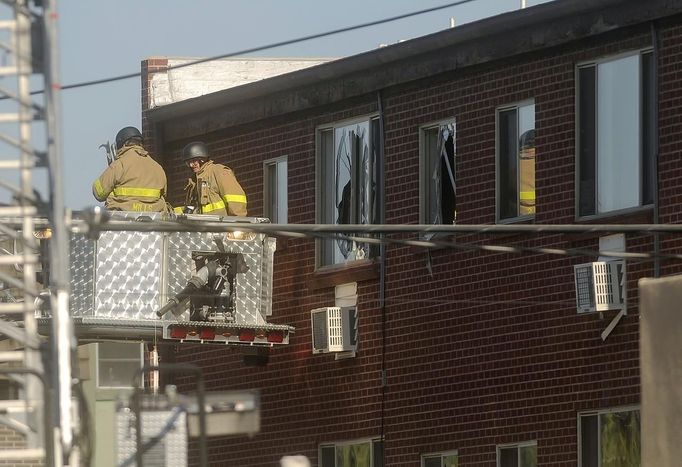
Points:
[334,329]
[600,286]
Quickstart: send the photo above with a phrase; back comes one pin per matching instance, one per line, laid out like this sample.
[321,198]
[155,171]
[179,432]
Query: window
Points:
[117,364]
[437,174]
[448,459]
[610,438]
[275,204]
[346,185]
[516,161]
[518,455]
[367,453]
[615,141]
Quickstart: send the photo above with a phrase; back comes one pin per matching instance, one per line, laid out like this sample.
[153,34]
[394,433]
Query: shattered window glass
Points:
[347,185]
[438,185]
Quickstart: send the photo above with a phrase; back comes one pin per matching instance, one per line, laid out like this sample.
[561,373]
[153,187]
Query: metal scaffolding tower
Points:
[41,408]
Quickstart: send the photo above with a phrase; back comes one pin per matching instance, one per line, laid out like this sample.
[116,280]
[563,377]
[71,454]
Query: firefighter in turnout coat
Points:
[134,181]
[527,173]
[214,189]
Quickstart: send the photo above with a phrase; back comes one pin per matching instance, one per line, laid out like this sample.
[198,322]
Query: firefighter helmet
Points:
[195,150]
[125,134]
[527,140]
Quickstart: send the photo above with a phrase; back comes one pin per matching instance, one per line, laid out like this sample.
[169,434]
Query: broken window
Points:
[437,185]
[516,161]
[347,185]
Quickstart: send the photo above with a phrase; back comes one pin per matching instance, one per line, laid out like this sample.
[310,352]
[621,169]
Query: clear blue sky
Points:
[102,38]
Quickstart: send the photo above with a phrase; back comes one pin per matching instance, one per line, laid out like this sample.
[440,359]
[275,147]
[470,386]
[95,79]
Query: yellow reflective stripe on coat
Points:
[141,192]
[221,204]
[99,189]
[527,195]
[234,198]
[213,206]
[179,210]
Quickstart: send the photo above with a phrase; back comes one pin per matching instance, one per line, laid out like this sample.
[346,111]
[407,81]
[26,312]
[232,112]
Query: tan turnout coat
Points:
[215,190]
[133,182]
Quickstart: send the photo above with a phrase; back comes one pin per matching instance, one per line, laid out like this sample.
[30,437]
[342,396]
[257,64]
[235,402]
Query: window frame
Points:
[319,179]
[97,364]
[598,412]
[266,188]
[578,168]
[440,454]
[424,177]
[498,171]
[518,447]
[371,440]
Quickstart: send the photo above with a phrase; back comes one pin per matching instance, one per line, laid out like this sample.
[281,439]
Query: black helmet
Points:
[195,150]
[125,134]
[527,140]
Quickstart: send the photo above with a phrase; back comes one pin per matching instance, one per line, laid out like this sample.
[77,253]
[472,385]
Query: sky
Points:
[104,38]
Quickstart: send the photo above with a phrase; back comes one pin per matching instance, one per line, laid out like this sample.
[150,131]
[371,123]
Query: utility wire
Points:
[268,46]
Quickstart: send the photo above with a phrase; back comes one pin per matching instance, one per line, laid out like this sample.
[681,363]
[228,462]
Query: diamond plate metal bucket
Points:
[128,275]
[249,284]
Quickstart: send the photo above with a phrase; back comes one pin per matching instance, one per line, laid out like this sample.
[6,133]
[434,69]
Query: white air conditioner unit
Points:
[600,286]
[335,329]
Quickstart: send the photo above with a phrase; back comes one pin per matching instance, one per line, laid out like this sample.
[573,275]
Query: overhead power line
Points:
[268,46]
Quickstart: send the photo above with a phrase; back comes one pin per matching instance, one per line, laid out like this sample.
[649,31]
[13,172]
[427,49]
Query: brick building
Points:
[463,353]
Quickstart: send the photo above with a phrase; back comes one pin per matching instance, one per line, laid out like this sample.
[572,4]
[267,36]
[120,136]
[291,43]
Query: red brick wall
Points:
[486,350]
[670,121]
[149,67]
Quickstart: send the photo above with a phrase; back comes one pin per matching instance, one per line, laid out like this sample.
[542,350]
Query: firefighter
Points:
[134,181]
[214,189]
[527,169]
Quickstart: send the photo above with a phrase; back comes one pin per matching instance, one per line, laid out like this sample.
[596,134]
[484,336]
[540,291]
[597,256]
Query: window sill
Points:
[516,220]
[353,271]
[640,215]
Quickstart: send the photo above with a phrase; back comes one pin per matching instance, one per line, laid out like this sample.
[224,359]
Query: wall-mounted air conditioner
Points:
[335,329]
[600,286]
